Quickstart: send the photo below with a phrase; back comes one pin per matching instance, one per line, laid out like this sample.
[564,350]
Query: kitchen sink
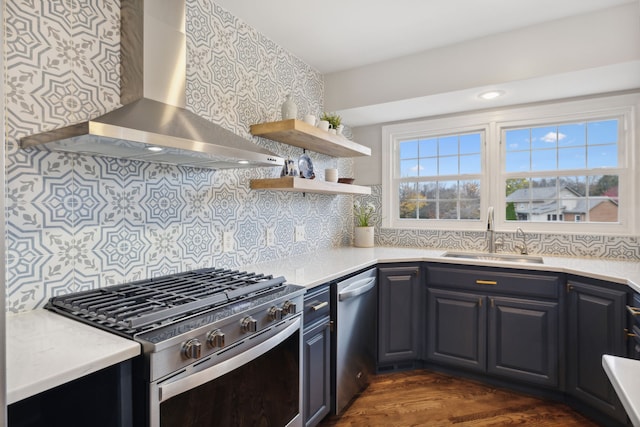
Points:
[527,259]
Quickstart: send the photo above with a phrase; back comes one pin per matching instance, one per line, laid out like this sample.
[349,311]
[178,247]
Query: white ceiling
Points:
[336,35]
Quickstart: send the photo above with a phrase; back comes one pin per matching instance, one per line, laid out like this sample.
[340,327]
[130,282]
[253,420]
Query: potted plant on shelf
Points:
[363,235]
[334,121]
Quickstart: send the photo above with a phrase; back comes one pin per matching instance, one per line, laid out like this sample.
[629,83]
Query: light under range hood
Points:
[152,131]
[153,124]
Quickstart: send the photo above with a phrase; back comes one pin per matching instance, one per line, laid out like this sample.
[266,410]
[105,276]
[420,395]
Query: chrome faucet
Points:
[523,248]
[491,230]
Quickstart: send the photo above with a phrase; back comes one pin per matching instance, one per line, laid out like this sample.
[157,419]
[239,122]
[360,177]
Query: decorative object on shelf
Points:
[289,168]
[324,125]
[305,165]
[346,180]
[310,119]
[331,175]
[364,231]
[289,109]
[339,129]
[333,119]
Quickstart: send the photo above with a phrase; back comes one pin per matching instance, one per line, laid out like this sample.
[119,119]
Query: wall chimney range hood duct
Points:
[153,125]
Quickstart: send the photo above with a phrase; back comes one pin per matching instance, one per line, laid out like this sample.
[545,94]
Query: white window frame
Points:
[393,136]
[625,108]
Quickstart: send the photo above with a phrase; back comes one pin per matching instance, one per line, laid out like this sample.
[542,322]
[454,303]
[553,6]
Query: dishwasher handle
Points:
[357,288]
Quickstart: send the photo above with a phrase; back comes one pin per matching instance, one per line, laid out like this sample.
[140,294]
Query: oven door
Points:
[253,382]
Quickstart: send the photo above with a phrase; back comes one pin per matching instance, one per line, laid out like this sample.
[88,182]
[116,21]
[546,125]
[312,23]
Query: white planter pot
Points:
[363,237]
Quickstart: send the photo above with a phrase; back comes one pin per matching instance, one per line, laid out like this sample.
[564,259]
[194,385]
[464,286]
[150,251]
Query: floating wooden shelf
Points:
[302,185]
[301,134]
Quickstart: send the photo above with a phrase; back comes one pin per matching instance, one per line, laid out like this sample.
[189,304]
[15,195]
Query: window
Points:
[440,177]
[557,172]
[436,176]
[558,168]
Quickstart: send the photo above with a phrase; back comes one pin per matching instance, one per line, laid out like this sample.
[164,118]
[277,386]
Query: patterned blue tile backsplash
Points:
[79,222]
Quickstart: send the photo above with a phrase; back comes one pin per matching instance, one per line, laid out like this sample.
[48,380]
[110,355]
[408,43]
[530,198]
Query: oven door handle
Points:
[169,390]
[357,288]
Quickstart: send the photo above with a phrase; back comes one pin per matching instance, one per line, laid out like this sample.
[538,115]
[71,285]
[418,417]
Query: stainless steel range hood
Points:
[153,124]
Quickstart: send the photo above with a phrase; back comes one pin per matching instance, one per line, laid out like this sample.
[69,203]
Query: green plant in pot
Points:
[333,119]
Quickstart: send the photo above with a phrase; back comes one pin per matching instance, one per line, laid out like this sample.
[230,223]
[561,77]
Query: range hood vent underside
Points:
[131,130]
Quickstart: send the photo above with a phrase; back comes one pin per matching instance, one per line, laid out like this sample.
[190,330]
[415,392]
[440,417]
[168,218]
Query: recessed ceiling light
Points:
[154,148]
[243,162]
[492,94]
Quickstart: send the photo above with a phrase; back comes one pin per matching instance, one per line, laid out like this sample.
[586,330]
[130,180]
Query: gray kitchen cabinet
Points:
[457,328]
[634,327]
[596,326]
[523,339]
[399,319]
[496,321]
[99,399]
[316,361]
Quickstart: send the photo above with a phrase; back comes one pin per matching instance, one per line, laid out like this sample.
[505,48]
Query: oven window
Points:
[263,392]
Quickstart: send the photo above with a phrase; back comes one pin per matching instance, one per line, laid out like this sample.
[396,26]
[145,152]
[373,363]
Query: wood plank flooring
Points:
[424,398]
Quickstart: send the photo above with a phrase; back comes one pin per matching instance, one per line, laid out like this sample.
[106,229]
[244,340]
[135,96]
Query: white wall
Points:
[367,170]
[572,44]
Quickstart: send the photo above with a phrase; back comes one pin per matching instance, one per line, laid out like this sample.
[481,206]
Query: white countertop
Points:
[624,374]
[314,269]
[45,350]
[66,349]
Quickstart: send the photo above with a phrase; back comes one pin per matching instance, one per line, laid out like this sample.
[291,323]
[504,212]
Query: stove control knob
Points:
[192,349]
[215,338]
[289,307]
[275,313]
[249,324]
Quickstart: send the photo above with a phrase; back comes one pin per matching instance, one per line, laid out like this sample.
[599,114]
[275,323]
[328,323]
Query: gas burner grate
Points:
[134,307]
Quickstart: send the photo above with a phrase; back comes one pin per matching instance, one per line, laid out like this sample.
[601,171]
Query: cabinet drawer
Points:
[514,282]
[316,304]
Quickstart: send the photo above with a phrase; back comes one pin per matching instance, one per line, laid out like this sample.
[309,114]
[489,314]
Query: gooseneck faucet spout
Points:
[491,230]
[523,249]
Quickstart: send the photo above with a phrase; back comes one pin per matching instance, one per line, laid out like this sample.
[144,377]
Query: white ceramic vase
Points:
[289,109]
[363,237]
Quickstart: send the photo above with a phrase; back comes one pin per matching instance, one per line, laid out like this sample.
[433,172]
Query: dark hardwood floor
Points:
[424,398]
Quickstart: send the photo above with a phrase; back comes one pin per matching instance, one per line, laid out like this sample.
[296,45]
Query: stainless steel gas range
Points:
[220,347]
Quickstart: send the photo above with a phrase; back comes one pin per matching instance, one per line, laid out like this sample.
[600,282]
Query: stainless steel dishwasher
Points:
[355,316]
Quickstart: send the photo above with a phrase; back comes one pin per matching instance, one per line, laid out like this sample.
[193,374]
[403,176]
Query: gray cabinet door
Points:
[596,318]
[523,340]
[457,325]
[317,372]
[399,301]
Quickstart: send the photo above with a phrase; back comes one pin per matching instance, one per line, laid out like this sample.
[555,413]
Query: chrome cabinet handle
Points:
[357,288]
[319,306]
